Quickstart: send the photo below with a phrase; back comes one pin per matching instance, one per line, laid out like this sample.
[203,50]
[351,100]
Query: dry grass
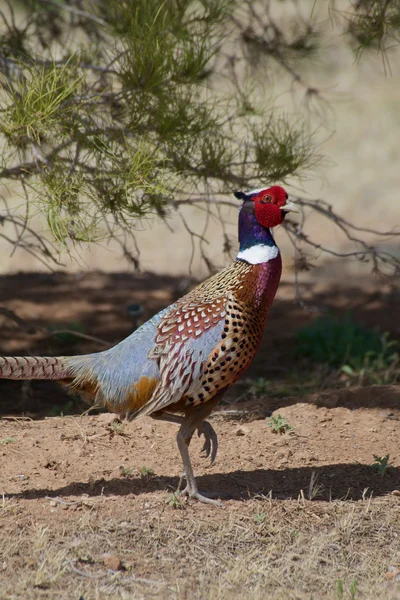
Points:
[326,525]
[260,548]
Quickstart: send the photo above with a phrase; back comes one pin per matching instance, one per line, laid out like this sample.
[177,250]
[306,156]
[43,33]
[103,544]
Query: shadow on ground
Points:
[374,396]
[331,482]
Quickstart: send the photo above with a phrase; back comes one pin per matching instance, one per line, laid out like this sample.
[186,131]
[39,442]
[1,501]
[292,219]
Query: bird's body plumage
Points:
[187,353]
[184,358]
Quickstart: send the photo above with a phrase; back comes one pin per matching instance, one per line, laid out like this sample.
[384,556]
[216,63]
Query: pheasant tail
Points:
[33,367]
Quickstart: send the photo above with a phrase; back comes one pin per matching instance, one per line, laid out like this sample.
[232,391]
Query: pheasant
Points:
[178,365]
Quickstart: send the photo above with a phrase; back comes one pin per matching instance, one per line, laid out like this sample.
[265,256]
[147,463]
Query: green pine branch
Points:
[117,110]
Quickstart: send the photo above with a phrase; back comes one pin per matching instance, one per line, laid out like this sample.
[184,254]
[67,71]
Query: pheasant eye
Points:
[266,199]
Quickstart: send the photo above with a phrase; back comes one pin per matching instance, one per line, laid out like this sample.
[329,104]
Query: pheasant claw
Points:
[210,446]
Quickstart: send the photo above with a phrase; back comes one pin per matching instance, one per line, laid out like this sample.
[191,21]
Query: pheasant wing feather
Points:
[186,337]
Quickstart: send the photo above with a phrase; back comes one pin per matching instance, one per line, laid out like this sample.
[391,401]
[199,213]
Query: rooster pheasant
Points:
[178,365]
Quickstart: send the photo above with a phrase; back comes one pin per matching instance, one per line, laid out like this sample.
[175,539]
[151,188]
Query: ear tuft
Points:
[240,195]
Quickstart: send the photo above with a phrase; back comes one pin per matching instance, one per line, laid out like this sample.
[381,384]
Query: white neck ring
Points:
[260,253]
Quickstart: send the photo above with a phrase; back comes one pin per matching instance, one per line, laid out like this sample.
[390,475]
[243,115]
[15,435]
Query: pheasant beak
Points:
[290,206]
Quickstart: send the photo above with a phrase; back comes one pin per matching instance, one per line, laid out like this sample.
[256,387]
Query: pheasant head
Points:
[261,209]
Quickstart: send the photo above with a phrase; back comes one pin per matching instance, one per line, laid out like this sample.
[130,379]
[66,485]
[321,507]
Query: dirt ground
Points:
[88,509]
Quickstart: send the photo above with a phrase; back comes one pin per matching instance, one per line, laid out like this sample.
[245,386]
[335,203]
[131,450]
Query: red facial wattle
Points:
[268,215]
[268,204]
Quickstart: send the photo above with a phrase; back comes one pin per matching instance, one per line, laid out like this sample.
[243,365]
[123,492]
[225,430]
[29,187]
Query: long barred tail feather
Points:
[34,367]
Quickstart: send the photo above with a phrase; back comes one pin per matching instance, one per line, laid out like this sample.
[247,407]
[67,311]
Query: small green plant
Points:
[259,387]
[125,471]
[260,517]
[376,368]
[117,427]
[339,589]
[7,440]
[60,411]
[353,589]
[381,464]
[146,472]
[363,355]
[331,341]
[175,500]
[279,424]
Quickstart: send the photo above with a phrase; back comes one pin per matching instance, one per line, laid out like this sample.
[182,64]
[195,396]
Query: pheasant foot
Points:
[211,444]
[190,493]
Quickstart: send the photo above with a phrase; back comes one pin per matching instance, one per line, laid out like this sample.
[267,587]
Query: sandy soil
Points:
[88,508]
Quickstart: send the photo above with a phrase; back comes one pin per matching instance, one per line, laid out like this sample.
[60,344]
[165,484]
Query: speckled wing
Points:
[187,336]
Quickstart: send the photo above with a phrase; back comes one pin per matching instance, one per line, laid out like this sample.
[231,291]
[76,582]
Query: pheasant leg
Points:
[194,419]
[191,490]
[210,447]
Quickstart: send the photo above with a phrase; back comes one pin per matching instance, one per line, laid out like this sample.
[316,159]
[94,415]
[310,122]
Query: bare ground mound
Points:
[88,507]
